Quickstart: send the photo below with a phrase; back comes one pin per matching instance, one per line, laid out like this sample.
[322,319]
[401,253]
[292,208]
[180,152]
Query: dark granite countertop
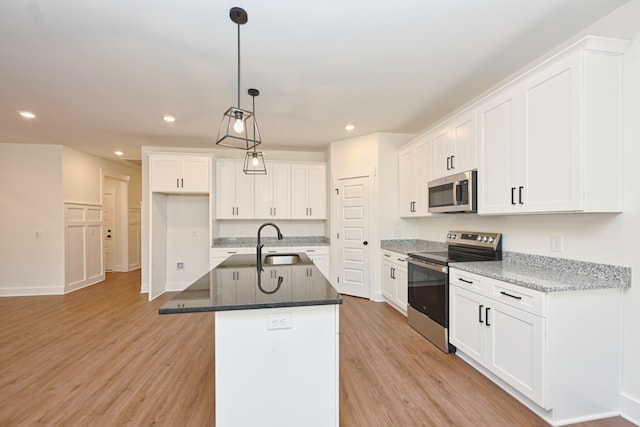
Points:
[236,285]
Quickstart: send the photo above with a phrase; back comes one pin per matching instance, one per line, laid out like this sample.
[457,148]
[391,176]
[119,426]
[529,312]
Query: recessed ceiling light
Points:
[119,153]
[27,114]
[349,127]
[169,119]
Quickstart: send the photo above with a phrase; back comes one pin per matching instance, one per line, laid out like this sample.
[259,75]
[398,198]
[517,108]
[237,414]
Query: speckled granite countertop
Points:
[241,242]
[404,246]
[548,274]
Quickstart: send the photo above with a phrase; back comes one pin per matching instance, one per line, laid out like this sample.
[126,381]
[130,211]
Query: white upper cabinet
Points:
[234,191]
[289,190]
[179,173]
[497,139]
[273,192]
[415,164]
[455,145]
[551,140]
[309,191]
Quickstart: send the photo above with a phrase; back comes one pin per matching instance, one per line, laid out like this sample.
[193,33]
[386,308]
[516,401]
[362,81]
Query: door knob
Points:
[365,243]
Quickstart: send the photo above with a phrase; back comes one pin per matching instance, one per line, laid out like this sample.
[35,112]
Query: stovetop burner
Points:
[465,246]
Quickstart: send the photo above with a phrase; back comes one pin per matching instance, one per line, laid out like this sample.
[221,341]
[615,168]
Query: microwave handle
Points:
[457,193]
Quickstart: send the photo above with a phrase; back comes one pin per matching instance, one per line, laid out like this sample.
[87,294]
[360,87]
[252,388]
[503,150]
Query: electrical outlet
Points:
[279,321]
[556,244]
[397,233]
[180,266]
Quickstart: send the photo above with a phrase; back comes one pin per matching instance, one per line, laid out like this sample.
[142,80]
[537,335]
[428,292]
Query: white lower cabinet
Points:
[218,255]
[506,340]
[557,352]
[319,255]
[394,280]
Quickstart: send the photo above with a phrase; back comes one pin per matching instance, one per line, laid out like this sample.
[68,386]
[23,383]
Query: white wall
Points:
[604,238]
[82,176]
[31,200]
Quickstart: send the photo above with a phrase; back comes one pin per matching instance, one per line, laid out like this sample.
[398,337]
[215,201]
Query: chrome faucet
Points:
[260,245]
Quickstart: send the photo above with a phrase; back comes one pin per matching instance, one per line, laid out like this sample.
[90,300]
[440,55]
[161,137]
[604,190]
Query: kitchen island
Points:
[276,340]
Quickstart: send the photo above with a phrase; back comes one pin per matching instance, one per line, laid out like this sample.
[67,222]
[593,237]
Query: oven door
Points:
[428,289]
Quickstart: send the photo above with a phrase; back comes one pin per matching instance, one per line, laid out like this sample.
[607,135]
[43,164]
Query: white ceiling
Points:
[101,74]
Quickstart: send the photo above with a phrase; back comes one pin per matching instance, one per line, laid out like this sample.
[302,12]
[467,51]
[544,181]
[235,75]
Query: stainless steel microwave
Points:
[454,193]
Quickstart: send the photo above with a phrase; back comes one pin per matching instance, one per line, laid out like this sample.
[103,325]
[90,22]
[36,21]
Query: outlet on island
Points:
[279,321]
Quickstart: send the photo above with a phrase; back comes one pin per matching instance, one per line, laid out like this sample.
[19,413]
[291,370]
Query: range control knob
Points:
[491,240]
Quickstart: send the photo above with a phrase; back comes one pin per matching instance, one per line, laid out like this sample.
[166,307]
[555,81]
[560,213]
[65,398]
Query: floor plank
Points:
[103,356]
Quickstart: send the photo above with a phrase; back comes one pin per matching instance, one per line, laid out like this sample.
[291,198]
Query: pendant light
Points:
[233,131]
[254,161]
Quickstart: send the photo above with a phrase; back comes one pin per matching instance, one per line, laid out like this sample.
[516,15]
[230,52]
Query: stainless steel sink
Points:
[281,259]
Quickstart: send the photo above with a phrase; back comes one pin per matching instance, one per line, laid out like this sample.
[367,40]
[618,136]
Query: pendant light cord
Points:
[238,66]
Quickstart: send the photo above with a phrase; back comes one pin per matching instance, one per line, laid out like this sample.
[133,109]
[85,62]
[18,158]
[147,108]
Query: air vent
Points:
[136,162]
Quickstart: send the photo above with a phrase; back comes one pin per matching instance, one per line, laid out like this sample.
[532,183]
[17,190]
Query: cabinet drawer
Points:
[395,258]
[520,297]
[311,250]
[469,281]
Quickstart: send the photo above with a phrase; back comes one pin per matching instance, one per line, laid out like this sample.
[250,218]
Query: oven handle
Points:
[430,266]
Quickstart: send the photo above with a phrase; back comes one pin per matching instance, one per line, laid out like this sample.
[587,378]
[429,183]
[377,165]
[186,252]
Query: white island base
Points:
[277,366]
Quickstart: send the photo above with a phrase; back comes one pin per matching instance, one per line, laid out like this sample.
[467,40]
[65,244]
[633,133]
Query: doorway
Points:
[115,223]
[352,237]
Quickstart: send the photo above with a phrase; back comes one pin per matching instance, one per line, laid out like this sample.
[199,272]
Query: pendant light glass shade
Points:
[254,163]
[236,122]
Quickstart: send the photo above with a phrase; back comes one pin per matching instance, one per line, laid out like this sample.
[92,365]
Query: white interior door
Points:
[353,236]
[109,223]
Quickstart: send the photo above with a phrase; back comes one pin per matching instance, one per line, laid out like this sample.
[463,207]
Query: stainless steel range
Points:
[428,281]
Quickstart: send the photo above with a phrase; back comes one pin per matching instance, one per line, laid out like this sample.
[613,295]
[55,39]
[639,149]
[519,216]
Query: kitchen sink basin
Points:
[281,259]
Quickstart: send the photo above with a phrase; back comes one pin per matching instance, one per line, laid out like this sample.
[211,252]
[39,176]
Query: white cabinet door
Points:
[309,191]
[443,149]
[317,191]
[415,164]
[467,330]
[407,191]
[388,281]
[464,144]
[195,175]
[164,173]
[550,150]
[273,192]
[516,349]
[394,280]
[455,145]
[234,191]
[319,255]
[497,174]
[178,173]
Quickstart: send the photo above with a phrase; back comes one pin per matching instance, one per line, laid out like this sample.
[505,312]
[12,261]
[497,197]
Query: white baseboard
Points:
[28,292]
[630,408]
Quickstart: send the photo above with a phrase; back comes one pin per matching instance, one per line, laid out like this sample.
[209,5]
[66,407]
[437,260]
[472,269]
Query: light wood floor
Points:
[102,356]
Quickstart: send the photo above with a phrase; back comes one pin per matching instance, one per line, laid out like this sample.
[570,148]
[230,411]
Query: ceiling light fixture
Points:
[349,127]
[169,119]
[254,161]
[118,153]
[27,114]
[235,122]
